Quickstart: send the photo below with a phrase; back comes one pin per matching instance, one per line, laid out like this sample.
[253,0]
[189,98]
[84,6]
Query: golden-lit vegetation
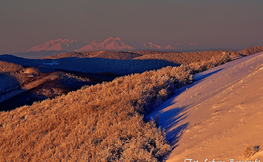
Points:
[186,57]
[8,66]
[250,51]
[97,123]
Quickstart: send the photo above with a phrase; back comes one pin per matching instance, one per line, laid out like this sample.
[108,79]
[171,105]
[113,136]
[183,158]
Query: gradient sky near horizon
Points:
[214,24]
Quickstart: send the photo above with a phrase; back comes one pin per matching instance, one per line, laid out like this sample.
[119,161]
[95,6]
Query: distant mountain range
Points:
[58,45]
[113,44]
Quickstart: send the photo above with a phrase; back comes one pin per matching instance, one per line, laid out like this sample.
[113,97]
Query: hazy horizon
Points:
[216,24]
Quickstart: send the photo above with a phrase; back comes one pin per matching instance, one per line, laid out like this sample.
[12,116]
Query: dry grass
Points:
[96,123]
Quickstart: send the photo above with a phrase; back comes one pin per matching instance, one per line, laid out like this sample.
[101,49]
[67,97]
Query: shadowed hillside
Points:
[99,54]
[8,67]
[123,63]
[8,78]
[175,57]
[25,85]
[43,86]
[101,65]
[20,60]
[93,65]
[111,62]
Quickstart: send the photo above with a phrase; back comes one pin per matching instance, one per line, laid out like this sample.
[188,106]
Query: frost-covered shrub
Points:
[96,123]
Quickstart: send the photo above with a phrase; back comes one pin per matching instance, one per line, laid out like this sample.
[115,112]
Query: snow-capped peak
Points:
[111,43]
[57,45]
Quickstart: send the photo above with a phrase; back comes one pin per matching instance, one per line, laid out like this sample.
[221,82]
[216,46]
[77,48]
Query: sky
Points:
[214,24]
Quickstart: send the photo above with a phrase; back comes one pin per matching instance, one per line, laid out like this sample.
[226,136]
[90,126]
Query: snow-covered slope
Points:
[219,115]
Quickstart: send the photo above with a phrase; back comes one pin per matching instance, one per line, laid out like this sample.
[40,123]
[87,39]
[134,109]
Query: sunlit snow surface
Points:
[218,115]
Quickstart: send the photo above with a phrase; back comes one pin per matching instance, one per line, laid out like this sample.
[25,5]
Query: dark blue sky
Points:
[214,24]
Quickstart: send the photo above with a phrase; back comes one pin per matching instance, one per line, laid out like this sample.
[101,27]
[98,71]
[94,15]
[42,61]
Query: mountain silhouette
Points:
[111,43]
